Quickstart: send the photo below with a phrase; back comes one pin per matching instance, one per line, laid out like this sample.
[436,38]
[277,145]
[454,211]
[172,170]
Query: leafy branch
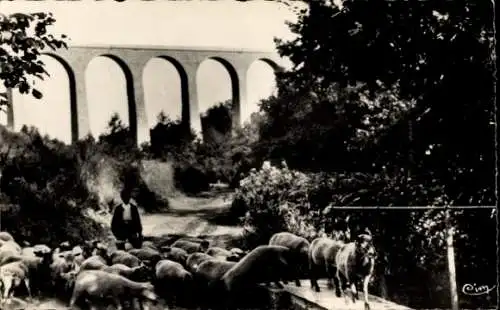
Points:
[23,38]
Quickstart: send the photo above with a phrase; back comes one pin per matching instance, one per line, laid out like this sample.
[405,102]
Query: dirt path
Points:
[190,216]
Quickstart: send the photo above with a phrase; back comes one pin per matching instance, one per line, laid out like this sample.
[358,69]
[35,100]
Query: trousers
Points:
[134,238]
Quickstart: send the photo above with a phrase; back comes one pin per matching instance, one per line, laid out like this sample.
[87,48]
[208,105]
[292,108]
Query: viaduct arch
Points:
[133,59]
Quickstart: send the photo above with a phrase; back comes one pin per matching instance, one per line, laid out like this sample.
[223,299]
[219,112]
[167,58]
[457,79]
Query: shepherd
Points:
[126,222]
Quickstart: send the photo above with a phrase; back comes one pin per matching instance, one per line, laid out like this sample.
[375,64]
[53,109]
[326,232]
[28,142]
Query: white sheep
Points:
[98,284]
[11,277]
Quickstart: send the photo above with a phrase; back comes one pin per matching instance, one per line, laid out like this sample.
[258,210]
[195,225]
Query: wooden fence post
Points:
[451,262]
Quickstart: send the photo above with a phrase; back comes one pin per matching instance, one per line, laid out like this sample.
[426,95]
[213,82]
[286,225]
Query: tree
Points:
[117,141]
[169,136]
[437,54]
[22,39]
[217,122]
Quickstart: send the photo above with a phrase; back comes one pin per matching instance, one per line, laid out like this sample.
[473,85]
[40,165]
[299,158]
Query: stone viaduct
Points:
[133,59]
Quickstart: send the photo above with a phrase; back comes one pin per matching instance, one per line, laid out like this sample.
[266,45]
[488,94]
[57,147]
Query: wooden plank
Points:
[326,299]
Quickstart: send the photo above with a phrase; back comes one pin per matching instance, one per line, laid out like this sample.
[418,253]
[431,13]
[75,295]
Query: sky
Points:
[227,24]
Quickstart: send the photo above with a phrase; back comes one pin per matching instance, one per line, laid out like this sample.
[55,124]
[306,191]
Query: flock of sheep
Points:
[97,273]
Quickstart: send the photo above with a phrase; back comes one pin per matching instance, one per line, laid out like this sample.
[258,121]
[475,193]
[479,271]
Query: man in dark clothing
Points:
[126,222]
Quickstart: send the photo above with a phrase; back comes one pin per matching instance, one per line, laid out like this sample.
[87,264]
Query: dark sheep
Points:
[298,246]
[103,250]
[172,280]
[234,255]
[64,247]
[138,274]
[63,271]
[38,268]
[149,245]
[238,251]
[78,255]
[355,262]
[175,254]
[167,270]
[61,265]
[125,258]
[212,270]
[322,253]
[265,263]
[97,261]
[89,248]
[149,256]
[92,286]
[168,240]
[160,241]
[126,246]
[219,253]
[94,262]
[195,259]
[66,254]
[207,276]
[190,246]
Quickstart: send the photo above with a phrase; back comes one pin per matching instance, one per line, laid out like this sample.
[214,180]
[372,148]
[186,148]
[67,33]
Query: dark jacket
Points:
[118,226]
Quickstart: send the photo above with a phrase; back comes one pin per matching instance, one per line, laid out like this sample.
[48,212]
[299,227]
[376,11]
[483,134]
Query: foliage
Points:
[199,164]
[327,130]
[22,38]
[167,136]
[280,198]
[224,155]
[429,70]
[411,247]
[428,42]
[43,177]
[269,195]
[216,123]
[117,139]
[243,150]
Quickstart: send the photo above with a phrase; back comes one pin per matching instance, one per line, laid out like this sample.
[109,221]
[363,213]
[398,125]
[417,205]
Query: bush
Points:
[283,199]
[274,200]
[216,123]
[42,178]
[168,136]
